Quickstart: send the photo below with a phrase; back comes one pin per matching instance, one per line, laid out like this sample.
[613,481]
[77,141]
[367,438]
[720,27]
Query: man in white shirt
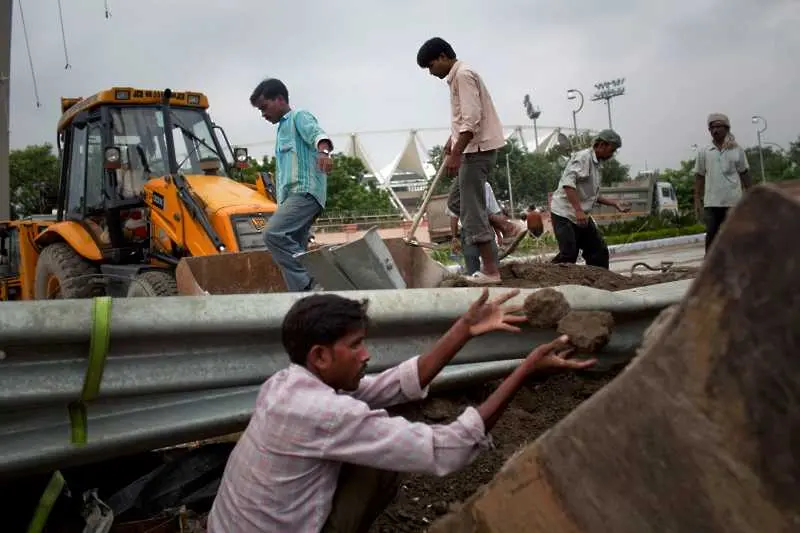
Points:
[321,454]
[722,174]
[573,200]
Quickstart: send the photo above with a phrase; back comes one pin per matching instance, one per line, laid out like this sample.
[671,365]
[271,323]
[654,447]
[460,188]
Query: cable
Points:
[30,58]
[63,36]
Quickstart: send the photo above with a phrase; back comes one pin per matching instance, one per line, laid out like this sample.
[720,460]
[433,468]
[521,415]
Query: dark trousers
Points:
[362,493]
[467,197]
[573,238]
[472,256]
[714,218]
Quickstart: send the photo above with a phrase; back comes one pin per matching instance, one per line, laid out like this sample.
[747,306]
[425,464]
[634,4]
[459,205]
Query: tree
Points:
[349,193]
[778,165]
[33,171]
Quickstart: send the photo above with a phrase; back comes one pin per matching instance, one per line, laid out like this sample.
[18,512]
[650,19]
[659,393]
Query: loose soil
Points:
[587,330]
[545,308]
[532,275]
[534,409]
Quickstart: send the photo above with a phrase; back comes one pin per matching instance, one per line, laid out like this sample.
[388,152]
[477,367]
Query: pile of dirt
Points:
[533,275]
[535,408]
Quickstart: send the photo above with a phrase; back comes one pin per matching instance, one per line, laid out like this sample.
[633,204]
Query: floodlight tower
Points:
[606,90]
[533,113]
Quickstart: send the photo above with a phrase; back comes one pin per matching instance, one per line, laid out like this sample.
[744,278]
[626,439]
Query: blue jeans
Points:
[286,234]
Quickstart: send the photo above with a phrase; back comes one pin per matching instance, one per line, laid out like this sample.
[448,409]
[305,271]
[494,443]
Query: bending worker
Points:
[577,192]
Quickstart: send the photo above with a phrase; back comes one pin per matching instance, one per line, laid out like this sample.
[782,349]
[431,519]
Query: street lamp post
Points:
[510,195]
[533,113]
[572,94]
[756,119]
[606,90]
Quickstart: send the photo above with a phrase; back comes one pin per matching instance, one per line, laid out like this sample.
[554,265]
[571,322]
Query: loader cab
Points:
[112,143]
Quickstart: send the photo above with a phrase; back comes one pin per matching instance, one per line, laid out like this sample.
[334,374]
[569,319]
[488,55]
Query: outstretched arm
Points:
[481,317]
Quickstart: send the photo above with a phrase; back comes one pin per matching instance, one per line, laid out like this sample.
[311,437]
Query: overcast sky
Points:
[353,64]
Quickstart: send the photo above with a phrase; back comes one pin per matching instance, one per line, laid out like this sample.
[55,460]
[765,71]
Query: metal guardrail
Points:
[189,367]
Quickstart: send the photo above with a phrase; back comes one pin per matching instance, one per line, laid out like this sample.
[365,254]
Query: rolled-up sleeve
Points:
[309,129]
[700,164]
[372,438]
[469,100]
[572,173]
[395,385]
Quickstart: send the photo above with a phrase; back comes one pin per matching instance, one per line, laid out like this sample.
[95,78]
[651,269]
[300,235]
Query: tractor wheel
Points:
[63,274]
[153,283]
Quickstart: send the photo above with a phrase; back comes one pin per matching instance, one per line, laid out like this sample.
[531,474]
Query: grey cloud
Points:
[353,63]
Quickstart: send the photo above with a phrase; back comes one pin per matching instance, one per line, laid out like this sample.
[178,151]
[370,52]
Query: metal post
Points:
[761,158]
[5,81]
[756,119]
[607,90]
[571,96]
[510,195]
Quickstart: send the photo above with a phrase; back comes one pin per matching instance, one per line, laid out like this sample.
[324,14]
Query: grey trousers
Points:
[467,197]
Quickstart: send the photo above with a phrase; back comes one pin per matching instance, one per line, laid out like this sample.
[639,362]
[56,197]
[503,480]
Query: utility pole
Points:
[756,120]
[533,114]
[5,81]
[606,90]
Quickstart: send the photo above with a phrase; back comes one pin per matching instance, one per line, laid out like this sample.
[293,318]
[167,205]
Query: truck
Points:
[646,194]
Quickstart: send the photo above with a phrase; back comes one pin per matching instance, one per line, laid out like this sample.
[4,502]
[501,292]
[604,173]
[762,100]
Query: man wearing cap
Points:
[572,202]
[722,173]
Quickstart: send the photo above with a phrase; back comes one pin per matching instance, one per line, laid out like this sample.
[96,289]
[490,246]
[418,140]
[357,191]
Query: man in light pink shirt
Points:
[321,454]
[470,152]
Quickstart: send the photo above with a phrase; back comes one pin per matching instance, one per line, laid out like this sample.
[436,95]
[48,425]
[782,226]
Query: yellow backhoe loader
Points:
[143,184]
[18,256]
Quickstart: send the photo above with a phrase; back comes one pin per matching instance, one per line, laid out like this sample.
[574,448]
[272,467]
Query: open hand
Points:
[623,207]
[555,355]
[484,316]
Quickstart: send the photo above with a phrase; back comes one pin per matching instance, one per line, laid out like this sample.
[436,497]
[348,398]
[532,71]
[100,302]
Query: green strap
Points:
[46,503]
[99,341]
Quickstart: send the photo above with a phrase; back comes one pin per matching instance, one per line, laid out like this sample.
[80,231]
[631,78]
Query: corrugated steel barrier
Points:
[187,368]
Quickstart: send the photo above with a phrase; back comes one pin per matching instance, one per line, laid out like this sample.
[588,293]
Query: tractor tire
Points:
[63,274]
[153,283]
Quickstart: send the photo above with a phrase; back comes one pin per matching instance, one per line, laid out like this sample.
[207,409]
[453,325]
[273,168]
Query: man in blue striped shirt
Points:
[302,162]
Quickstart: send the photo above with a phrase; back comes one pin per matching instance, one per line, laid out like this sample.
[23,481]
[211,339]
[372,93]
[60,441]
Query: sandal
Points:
[479,278]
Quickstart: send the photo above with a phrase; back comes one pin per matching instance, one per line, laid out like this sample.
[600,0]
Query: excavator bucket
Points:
[235,273]
[373,263]
[700,433]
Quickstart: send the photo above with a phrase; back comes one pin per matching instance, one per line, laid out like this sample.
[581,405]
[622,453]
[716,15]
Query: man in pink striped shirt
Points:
[321,454]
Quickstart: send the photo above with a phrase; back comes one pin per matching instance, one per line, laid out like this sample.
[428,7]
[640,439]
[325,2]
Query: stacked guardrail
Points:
[187,368]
